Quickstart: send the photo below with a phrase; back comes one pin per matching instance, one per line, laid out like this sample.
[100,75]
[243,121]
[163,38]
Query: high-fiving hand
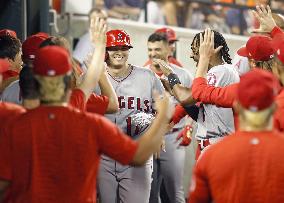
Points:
[264,15]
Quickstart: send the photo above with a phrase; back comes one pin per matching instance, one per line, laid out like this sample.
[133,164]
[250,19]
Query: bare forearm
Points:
[94,71]
[107,90]
[183,94]
[151,141]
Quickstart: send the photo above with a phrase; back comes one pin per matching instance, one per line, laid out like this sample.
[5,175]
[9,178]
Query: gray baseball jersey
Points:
[169,168]
[118,183]
[215,122]
[241,64]
[12,93]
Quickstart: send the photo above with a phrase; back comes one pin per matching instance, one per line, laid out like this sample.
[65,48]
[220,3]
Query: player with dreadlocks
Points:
[213,122]
[219,41]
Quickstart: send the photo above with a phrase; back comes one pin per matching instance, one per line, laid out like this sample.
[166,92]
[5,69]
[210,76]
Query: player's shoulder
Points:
[143,70]
[12,87]
[224,70]
[11,107]
[179,70]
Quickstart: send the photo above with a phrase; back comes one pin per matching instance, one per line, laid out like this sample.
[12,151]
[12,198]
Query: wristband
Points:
[173,80]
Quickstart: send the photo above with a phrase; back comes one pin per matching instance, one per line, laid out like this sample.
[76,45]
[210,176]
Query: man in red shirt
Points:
[245,167]
[53,154]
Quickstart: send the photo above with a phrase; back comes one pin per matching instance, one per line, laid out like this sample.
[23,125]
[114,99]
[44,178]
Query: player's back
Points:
[55,154]
[246,167]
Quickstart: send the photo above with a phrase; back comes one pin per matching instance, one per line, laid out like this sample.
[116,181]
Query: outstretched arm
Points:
[96,64]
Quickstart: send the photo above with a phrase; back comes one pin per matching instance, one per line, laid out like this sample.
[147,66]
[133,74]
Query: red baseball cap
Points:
[4,65]
[258,48]
[52,61]
[170,33]
[31,45]
[117,38]
[257,89]
[8,32]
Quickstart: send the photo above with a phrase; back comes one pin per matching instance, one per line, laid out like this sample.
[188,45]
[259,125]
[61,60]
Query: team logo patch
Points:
[211,79]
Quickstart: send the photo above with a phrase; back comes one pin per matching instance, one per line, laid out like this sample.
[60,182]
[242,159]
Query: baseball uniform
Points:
[170,166]
[216,122]
[123,183]
[241,64]
[244,167]
[8,111]
[226,96]
[12,93]
[56,153]
[95,104]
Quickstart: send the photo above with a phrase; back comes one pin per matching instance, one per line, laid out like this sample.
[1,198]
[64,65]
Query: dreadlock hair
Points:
[219,40]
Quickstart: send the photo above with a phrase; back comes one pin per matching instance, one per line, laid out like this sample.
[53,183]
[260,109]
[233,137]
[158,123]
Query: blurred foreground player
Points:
[56,156]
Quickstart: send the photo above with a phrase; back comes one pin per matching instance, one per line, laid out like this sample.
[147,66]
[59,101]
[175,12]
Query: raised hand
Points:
[264,16]
[98,29]
[206,48]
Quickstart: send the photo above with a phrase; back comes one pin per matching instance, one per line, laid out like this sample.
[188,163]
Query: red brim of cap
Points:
[4,65]
[243,52]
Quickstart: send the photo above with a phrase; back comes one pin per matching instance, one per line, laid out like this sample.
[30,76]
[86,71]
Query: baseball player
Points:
[29,47]
[134,88]
[169,166]
[56,149]
[172,39]
[7,110]
[10,49]
[260,52]
[255,174]
[213,122]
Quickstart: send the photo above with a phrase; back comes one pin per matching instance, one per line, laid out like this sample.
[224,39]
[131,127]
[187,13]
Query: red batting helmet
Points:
[117,38]
[170,33]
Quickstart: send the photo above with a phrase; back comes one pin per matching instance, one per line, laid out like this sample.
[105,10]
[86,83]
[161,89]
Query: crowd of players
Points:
[74,126]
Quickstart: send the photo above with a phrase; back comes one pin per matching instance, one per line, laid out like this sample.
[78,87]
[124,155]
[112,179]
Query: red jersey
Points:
[53,154]
[278,115]
[95,104]
[171,60]
[245,167]
[220,96]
